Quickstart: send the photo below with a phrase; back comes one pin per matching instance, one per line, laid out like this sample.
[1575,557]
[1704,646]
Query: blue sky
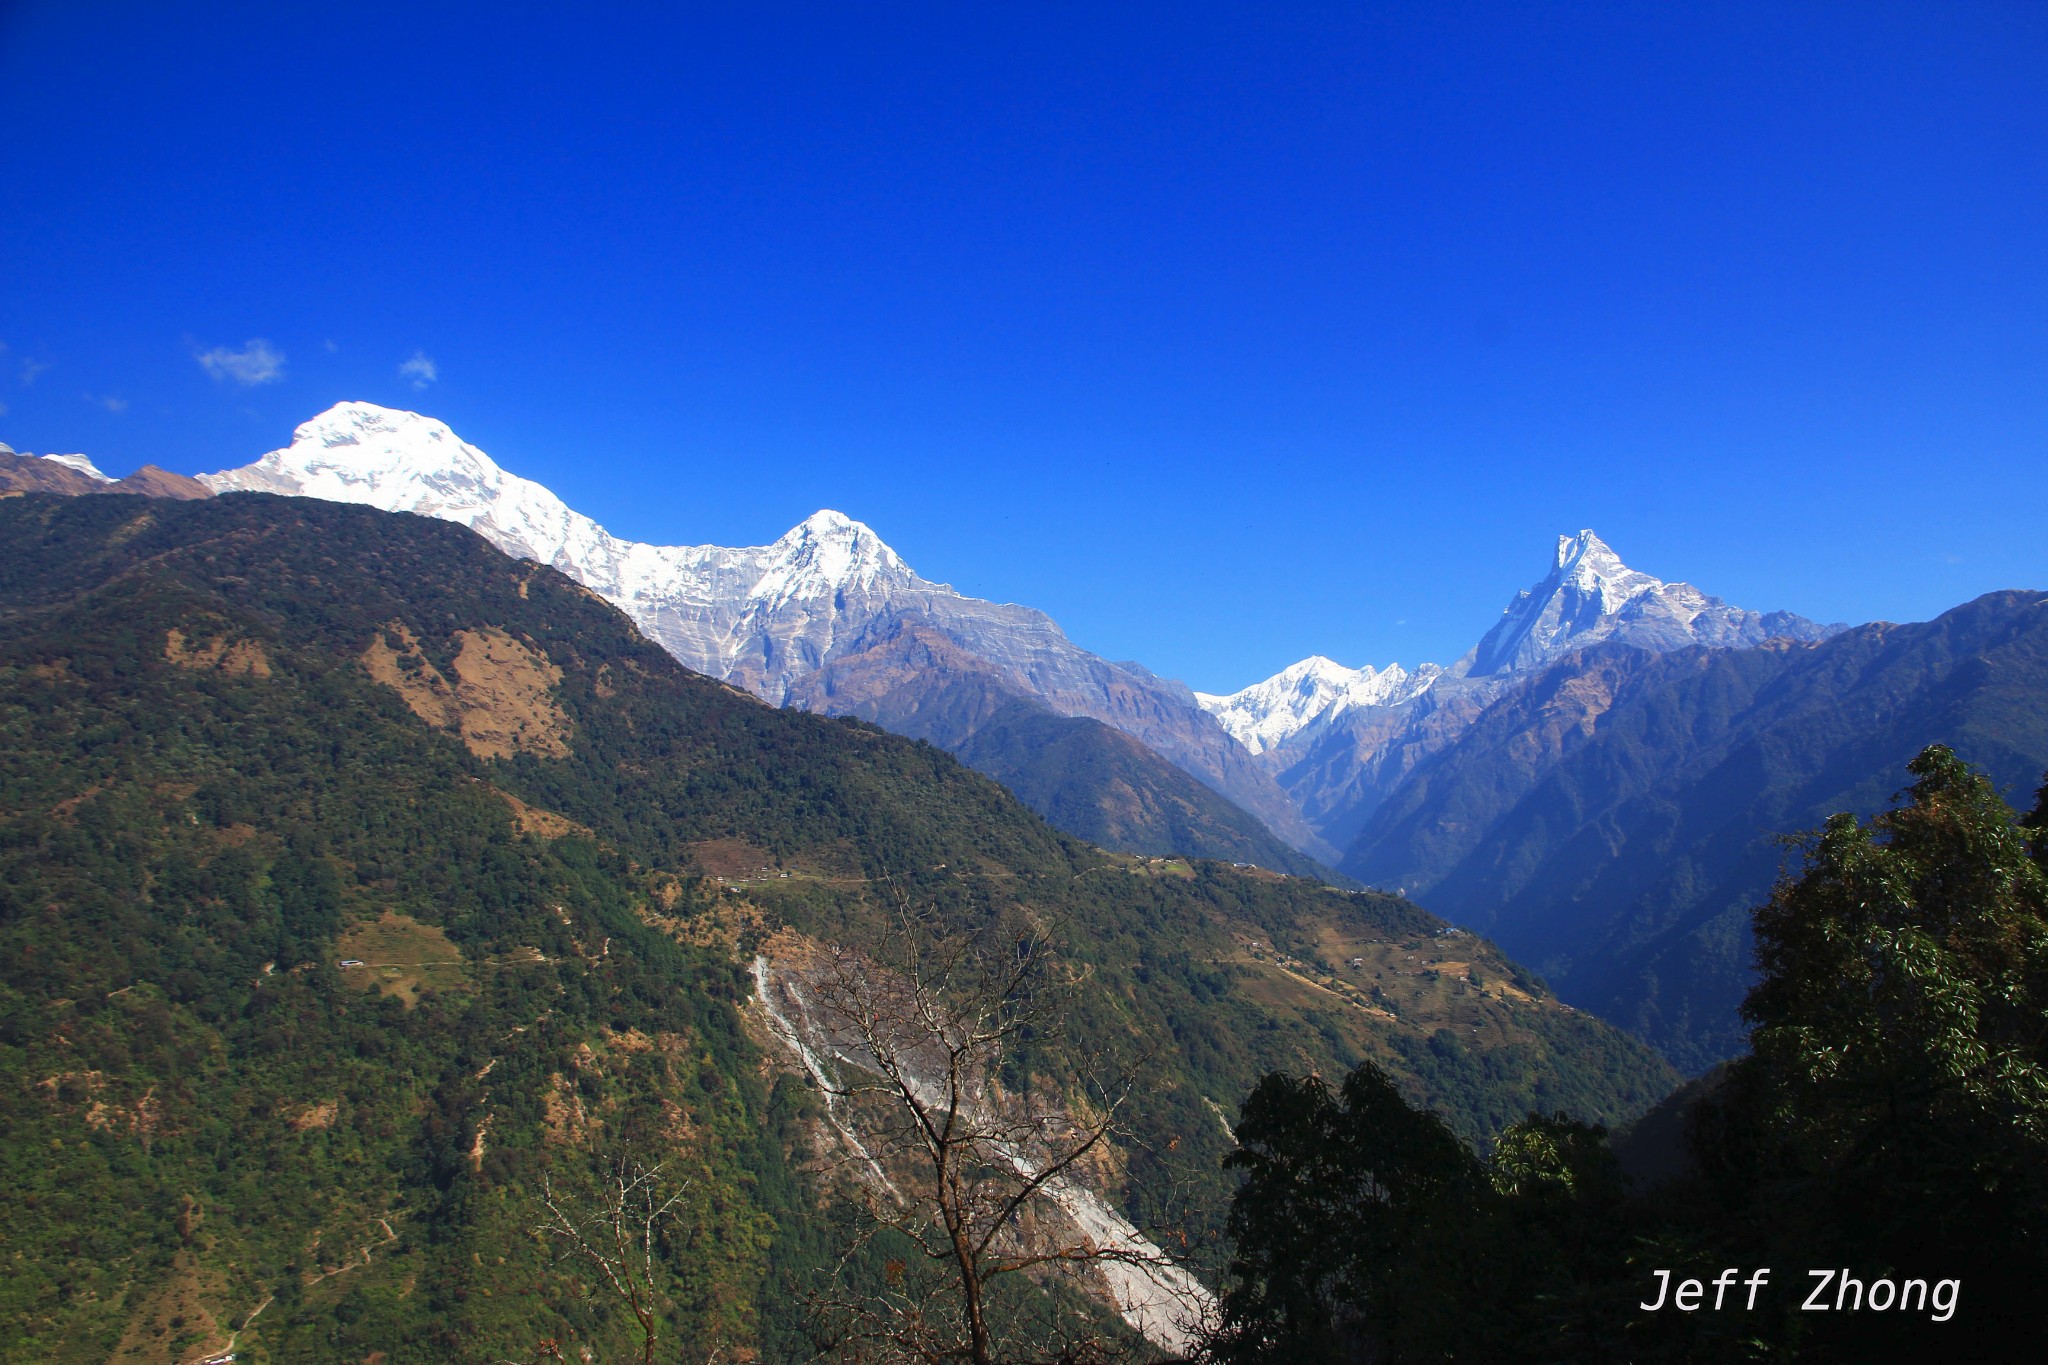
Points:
[1226,334]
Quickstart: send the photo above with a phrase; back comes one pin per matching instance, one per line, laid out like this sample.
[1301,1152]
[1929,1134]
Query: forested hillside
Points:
[355,879]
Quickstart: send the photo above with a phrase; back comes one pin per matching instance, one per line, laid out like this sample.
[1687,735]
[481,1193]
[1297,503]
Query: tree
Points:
[1336,1187]
[1895,1102]
[615,1231]
[935,1053]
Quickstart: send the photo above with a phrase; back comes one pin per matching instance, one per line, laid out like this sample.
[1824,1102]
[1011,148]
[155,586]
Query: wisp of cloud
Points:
[420,370]
[258,362]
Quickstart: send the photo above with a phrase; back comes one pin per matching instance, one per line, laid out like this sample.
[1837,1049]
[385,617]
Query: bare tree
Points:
[615,1231]
[912,1044]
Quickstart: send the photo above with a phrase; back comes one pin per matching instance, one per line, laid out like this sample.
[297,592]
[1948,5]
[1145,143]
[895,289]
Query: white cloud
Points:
[30,369]
[109,402]
[420,370]
[3,409]
[258,362]
[331,347]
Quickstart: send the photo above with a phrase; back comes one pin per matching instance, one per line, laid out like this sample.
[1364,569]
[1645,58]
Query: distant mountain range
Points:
[1341,740]
[1615,819]
[73,475]
[1595,781]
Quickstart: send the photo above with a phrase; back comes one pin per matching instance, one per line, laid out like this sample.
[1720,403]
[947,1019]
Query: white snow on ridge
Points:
[1588,596]
[827,552]
[1268,713]
[82,465]
[702,601]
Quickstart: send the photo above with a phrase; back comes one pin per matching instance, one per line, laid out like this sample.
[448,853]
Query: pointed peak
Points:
[1317,667]
[1590,596]
[1590,563]
[825,553]
[840,533]
[1585,545]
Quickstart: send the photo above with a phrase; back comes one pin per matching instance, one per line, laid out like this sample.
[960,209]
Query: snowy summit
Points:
[1592,596]
[1589,596]
[706,603]
[1268,713]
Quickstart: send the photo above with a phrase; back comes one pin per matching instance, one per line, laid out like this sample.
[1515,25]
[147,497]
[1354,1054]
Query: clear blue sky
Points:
[1224,333]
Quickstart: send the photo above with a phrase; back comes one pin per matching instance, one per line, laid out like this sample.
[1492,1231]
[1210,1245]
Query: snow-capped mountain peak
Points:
[1590,564]
[83,466]
[405,462]
[1590,596]
[825,554]
[360,452]
[1268,713]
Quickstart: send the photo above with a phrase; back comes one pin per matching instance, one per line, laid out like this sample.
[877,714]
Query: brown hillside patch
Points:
[504,687]
[320,1114]
[563,1116]
[543,824]
[501,701]
[127,531]
[237,658]
[401,957]
[64,809]
[143,1120]
[730,858]
[405,670]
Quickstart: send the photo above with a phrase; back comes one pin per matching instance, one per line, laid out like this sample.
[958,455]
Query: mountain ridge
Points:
[1588,596]
[765,618]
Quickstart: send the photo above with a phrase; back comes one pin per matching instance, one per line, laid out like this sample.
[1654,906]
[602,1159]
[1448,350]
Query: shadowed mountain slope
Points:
[1084,777]
[1613,820]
